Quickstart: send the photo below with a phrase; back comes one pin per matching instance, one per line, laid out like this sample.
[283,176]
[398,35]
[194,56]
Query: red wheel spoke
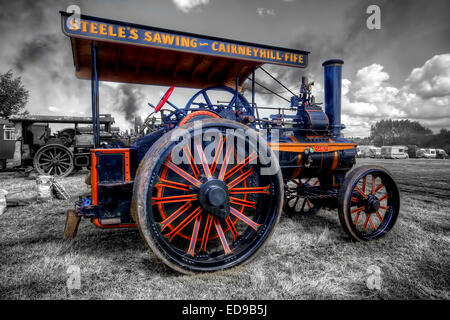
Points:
[184,223]
[297,183]
[362,193]
[175,215]
[190,159]
[315,183]
[205,236]
[172,184]
[353,199]
[242,202]
[250,190]
[384,208]
[357,210]
[218,153]
[372,225]
[240,178]
[240,165]
[228,152]
[308,203]
[364,184]
[232,227]
[383,197]
[191,249]
[378,188]
[187,197]
[357,217]
[222,238]
[244,218]
[373,185]
[205,166]
[172,199]
[379,216]
[367,222]
[182,173]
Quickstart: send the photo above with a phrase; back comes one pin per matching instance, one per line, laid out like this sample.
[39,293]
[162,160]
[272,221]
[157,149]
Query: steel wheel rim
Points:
[55,161]
[231,249]
[365,221]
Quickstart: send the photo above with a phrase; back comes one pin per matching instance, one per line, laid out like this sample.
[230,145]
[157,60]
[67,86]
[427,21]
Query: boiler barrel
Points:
[332,84]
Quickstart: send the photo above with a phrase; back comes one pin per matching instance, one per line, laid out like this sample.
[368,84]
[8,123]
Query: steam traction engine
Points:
[207,189]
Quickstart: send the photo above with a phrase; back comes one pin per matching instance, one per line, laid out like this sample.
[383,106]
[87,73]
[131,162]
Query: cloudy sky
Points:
[401,71]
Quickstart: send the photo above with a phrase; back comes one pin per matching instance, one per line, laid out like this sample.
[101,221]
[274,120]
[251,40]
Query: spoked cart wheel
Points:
[296,201]
[368,203]
[205,199]
[54,160]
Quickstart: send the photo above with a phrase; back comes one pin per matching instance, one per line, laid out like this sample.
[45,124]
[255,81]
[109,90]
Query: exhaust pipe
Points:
[332,85]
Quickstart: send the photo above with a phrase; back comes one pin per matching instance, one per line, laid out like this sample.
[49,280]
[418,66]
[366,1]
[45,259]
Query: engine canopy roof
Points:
[140,54]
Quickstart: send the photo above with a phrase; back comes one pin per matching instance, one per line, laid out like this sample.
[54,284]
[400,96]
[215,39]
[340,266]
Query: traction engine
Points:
[207,188]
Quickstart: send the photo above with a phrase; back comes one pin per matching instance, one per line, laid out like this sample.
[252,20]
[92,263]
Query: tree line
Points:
[405,132]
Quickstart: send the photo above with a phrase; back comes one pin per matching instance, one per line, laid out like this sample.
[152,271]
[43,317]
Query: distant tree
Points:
[13,95]
[389,132]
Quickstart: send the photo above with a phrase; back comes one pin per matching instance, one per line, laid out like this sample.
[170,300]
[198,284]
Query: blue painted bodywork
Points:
[332,87]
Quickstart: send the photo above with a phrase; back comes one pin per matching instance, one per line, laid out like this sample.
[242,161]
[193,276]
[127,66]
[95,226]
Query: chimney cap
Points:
[332,61]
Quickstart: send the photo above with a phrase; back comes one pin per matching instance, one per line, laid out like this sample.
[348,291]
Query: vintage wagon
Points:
[27,140]
[207,189]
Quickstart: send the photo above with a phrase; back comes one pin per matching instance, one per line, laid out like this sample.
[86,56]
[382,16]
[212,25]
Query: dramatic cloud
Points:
[188,5]
[425,96]
[433,78]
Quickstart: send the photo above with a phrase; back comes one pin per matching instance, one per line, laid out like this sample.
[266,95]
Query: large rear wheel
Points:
[205,197]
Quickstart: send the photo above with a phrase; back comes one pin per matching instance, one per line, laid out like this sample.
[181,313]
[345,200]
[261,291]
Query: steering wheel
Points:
[164,99]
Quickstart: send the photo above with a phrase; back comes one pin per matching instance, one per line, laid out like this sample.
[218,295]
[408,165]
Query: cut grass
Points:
[309,257]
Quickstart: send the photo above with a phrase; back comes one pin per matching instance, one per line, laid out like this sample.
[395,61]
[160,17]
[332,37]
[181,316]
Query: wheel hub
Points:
[214,197]
[372,204]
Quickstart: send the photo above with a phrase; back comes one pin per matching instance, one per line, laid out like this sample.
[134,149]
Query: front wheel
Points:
[368,203]
[206,198]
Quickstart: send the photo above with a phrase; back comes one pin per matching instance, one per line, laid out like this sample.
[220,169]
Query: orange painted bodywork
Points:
[97,223]
[198,113]
[319,147]
[94,173]
[335,162]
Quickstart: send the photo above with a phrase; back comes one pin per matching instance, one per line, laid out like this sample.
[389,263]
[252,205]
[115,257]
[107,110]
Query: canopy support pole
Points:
[253,92]
[236,91]
[95,97]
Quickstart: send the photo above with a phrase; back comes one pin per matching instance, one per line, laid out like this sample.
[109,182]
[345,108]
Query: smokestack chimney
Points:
[332,85]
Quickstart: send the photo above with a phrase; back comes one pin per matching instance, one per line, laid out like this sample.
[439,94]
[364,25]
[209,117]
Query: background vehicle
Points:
[368,151]
[412,151]
[7,142]
[427,153]
[441,154]
[394,152]
[200,202]
[28,141]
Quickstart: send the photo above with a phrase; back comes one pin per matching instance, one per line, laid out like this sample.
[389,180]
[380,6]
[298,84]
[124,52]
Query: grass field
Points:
[309,257]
